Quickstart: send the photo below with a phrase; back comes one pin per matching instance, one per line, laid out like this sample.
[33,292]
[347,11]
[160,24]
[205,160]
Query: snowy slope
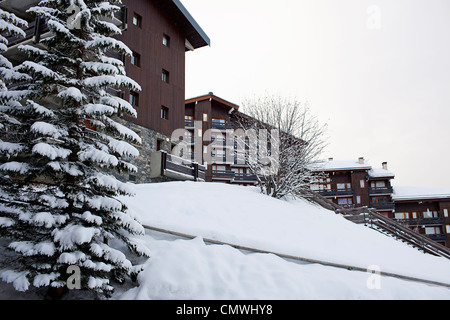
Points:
[242,216]
[191,270]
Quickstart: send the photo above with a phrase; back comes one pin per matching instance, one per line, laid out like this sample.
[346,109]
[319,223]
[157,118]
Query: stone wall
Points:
[149,144]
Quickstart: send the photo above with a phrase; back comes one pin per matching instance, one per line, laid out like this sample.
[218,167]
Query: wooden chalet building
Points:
[425,210]
[355,183]
[210,117]
[159,32]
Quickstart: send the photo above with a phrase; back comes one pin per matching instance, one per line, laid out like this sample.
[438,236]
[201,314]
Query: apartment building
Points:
[425,210]
[355,183]
[209,123]
[160,33]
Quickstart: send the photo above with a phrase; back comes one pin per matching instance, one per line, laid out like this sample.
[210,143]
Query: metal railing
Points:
[401,232]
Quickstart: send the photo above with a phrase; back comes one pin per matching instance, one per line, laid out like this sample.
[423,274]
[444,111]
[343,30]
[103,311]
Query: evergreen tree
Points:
[59,207]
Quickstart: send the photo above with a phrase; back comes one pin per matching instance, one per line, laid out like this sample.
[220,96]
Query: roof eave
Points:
[197,37]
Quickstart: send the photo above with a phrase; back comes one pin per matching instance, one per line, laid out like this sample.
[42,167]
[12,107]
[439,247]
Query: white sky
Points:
[378,72]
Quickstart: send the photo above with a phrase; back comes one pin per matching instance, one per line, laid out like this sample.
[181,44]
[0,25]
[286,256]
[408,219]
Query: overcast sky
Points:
[378,72]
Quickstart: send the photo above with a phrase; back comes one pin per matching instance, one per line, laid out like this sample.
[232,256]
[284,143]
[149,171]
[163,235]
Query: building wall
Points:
[154,57]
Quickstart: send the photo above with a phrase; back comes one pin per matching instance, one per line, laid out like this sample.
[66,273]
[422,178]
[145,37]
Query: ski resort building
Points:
[213,115]
[355,183]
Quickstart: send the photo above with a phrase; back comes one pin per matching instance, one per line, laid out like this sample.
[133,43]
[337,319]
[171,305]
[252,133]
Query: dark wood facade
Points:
[430,217]
[213,114]
[360,185]
[161,47]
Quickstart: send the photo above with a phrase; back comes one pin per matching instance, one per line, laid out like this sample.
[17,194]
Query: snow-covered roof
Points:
[331,165]
[380,173]
[413,193]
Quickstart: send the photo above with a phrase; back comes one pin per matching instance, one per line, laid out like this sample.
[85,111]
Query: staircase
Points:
[372,219]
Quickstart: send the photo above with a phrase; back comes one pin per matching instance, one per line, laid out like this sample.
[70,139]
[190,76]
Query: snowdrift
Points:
[189,269]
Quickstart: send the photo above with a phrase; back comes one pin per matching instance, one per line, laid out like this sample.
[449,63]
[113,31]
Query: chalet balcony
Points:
[381,190]
[383,205]
[422,222]
[163,164]
[437,237]
[189,124]
[222,126]
[223,175]
[336,192]
[245,178]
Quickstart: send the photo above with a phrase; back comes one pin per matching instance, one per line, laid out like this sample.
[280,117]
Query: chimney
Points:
[384,164]
[361,160]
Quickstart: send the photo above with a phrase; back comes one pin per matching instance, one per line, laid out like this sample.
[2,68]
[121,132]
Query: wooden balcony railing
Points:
[223,175]
[383,205]
[383,190]
[336,192]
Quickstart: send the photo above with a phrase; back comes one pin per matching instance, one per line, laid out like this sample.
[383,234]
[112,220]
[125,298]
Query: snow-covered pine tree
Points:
[61,207]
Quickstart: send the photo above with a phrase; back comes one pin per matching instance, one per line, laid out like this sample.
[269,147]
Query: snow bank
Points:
[189,269]
[242,216]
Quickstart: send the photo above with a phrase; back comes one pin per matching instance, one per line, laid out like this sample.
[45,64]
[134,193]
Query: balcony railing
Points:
[245,178]
[223,175]
[163,164]
[383,205]
[422,221]
[222,126]
[382,190]
[336,192]
[437,237]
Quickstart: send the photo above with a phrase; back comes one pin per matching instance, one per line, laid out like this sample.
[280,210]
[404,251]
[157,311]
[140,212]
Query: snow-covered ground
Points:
[192,269]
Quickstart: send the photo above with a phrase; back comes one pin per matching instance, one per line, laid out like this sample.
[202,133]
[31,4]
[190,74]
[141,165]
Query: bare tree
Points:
[299,142]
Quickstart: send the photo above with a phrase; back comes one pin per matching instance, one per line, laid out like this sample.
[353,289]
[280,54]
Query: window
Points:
[134,99]
[158,144]
[218,153]
[358,198]
[165,76]
[432,230]
[430,214]
[137,20]
[218,121]
[345,201]
[238,171]
[446,213]
[401,215]
[136,59]
[362,183]
[378,184]
[205,117]
[164,113]
[188,117]
[166,40]
[216,167]
[447,228]
[343,186]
